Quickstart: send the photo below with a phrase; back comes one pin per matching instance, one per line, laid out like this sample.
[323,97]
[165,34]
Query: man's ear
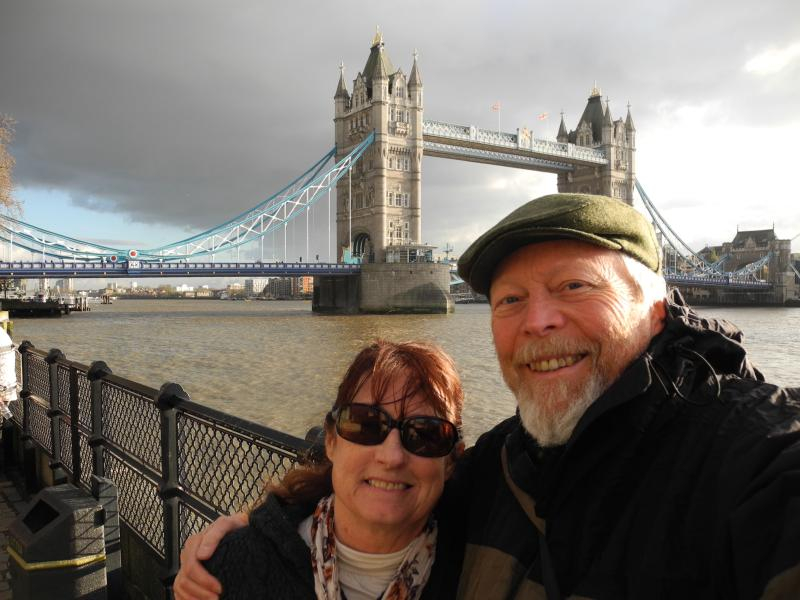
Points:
[452,459]
[658,315]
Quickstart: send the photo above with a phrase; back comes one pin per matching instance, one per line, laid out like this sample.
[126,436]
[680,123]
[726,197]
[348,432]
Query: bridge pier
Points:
[383,288]
[709,296]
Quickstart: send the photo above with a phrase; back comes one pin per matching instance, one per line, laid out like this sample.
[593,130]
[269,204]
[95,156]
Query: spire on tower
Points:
[414,79]
[378,39]
[562,130]
[341,89]
[595,90]
[629,120]
[607,120]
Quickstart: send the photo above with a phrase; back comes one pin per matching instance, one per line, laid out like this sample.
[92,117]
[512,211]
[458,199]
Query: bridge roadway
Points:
[724,281]
[143,268]
[519,150]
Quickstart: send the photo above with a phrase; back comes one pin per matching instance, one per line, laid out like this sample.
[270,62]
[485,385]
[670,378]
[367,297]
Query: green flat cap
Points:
[598,220]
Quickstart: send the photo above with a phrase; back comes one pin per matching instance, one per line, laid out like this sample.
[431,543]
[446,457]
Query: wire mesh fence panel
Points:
[139,503]
[39,424]
[86,459]
[190,521]
[225,468]
[66,445]
[16,411]
[84,400]
[38,376]
[63,388]
[132,422]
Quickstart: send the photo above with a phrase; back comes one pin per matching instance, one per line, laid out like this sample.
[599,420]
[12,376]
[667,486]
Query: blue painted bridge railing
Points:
[177,464]
[142,268]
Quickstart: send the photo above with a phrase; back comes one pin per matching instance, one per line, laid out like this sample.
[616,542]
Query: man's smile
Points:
[555,363]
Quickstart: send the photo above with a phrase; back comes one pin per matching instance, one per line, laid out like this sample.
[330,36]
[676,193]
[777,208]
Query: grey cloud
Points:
[185,113]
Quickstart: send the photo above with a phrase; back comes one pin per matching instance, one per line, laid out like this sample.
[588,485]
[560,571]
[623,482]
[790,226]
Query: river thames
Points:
[277,363]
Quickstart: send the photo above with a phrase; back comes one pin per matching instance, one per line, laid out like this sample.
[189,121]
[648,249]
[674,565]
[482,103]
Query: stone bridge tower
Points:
[617,139]
[385,191]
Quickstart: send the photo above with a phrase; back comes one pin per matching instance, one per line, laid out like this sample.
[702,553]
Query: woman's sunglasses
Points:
[369,425]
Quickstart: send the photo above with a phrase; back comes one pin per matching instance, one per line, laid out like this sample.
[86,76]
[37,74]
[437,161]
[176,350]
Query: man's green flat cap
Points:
[598,220]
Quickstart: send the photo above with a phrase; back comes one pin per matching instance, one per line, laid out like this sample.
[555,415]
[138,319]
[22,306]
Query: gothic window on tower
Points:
[391,162]
[389,198]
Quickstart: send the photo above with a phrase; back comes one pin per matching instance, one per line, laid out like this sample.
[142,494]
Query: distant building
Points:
[289,287]
[255,287]
[750,246]
[306,285]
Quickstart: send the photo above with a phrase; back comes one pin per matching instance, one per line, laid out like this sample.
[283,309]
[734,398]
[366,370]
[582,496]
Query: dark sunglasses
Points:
[369,425]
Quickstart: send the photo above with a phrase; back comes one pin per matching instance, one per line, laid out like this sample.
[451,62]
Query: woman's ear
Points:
[452,459]
[330,443]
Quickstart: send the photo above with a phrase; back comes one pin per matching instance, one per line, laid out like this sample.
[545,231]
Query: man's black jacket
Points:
[681,481]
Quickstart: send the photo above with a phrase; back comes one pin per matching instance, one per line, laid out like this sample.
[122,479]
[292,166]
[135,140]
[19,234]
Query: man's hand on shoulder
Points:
[193,582]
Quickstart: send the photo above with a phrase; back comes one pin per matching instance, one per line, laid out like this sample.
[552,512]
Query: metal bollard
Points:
[56,547]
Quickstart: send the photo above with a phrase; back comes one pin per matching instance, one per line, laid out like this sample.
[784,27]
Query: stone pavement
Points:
[11,504]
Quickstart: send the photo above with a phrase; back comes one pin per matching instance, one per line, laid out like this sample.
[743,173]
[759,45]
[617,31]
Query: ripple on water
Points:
[278,364]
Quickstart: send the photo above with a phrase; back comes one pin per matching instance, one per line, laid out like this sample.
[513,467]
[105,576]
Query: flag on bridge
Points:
[496,106]
[543,116]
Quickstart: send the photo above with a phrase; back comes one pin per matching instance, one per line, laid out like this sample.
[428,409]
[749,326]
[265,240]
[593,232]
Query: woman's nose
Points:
[391,452]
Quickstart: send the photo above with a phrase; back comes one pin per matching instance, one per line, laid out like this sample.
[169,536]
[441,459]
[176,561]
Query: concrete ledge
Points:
[386,288]
[405,288]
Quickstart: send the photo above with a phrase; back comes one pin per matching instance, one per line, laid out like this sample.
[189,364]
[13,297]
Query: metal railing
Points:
[177,464]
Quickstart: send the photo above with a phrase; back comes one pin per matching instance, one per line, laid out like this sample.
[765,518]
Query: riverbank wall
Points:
[176,465]
[386,288]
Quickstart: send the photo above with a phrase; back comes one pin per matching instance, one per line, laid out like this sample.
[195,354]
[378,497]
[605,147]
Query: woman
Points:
[359,525]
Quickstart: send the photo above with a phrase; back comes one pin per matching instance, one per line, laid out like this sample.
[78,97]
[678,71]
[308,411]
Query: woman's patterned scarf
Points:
[408,581]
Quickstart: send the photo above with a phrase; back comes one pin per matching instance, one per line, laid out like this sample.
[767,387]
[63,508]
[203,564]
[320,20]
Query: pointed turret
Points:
[562,136]
[629,120]
[415,80]
[594,115]
[607,120]
[341,89]
[378,63]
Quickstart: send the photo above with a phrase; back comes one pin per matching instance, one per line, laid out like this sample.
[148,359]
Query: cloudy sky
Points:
[140,122]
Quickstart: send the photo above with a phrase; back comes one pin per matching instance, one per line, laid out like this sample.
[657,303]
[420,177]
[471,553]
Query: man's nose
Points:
[543,316]
[391,452]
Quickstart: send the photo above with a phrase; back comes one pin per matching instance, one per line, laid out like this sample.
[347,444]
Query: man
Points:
[648,457]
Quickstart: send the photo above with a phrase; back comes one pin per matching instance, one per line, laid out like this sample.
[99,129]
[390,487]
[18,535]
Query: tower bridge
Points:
[377,261]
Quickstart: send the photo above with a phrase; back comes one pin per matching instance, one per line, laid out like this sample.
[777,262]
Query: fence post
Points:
[169,396]
[28,446]
[74,418]
[54,414]
[97,372]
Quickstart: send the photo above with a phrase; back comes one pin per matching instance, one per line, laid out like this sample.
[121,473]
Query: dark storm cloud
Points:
[186,113]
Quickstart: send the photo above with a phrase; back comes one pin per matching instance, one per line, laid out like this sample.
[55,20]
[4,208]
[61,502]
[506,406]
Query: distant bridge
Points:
[140,268]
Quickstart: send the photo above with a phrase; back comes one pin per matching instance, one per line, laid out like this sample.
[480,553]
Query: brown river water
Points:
[278,364]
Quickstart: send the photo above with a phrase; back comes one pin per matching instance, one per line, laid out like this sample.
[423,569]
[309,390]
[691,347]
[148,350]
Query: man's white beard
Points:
[551,413]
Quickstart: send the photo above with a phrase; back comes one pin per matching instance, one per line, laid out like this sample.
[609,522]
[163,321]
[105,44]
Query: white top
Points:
[362,575]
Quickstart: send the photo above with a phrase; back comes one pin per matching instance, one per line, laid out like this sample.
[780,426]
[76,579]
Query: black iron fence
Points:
[177,464]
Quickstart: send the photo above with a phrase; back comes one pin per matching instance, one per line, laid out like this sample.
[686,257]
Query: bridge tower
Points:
[617,139]
[378,215]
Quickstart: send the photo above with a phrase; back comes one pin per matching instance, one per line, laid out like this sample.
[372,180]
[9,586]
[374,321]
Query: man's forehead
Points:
[554,255]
